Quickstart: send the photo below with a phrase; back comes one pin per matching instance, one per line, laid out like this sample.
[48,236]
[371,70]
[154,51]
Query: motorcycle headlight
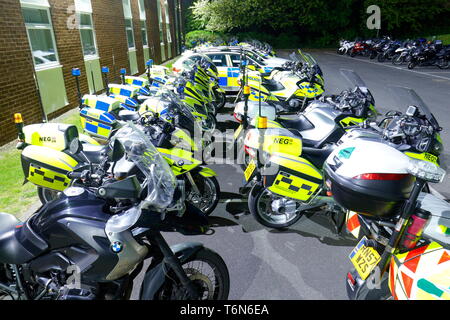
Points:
[426,171]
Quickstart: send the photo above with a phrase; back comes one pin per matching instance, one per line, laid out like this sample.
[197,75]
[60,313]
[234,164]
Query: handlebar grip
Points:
[74,175]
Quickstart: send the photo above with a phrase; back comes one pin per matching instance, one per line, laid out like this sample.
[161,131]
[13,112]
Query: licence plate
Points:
[364,258]
[238,131]
[249,170]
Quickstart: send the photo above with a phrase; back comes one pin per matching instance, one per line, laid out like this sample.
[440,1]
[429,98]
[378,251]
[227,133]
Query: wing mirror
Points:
[117,151]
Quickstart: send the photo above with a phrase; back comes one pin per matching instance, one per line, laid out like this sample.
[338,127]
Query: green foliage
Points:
[319,22]
[196,36]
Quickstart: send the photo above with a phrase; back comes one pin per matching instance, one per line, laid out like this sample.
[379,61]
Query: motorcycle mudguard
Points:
[156,273]
[205,171]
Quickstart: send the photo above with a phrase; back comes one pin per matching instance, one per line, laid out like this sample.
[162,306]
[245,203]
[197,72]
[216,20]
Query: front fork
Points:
[175,265]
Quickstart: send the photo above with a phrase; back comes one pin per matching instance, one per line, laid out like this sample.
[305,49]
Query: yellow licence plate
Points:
[364,258]
[249,170]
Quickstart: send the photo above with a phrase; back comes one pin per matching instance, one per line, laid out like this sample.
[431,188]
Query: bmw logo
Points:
[116,247]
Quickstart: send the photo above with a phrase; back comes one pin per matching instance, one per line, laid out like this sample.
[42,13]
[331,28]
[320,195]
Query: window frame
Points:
[143,22]
[40,26]
[160,23]
[92,28]
[131,27]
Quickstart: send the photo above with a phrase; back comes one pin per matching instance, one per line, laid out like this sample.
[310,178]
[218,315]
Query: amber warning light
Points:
[18,118]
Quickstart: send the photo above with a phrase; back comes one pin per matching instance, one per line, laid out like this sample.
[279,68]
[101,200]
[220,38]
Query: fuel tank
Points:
[74,226]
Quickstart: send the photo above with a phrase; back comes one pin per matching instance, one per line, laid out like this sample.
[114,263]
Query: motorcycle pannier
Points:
[361,181]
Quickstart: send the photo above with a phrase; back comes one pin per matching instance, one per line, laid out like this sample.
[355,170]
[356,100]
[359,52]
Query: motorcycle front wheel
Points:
[273,211]
[46,195]
[381,58]
[207,271]
[209,195]
[221,100]
[340,51]
[411,65]
[397,60]
[373,55]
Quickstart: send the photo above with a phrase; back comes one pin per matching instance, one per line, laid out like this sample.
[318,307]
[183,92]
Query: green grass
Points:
[16,197]
[444,37]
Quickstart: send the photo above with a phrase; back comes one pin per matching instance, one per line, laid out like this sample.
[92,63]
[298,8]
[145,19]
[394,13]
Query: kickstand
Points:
[337,221]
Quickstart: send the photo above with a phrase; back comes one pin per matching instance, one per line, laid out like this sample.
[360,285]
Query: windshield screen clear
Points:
[353,79]
[159,178]
[408,97]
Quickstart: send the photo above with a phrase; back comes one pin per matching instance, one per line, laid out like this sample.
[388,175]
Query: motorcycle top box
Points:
[53,135]
[363,182]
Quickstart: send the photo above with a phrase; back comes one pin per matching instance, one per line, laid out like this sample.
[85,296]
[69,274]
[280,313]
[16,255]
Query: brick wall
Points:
[112,44]
[18,90]
[153,30]
[70,53]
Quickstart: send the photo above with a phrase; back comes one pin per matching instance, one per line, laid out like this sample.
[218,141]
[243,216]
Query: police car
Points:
[227,59]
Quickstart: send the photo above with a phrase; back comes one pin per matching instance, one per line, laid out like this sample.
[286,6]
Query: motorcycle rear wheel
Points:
[260,205]
[443,64]
[217,288]
[373,55]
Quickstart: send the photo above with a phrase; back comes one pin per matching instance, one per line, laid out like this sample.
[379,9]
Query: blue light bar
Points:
[76,72]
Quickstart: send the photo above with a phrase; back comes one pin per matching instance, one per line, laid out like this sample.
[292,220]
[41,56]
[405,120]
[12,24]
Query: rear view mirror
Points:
[117,152]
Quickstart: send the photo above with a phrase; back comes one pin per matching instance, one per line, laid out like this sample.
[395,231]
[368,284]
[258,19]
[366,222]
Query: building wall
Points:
[19,92]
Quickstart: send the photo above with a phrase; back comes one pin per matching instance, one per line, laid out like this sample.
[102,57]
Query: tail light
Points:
[381,176]
[350,279]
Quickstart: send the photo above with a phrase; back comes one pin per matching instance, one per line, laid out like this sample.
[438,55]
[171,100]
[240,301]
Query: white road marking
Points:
[390,66]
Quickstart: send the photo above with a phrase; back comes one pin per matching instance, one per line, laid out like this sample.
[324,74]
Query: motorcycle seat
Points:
[316,156]
[301,123]
[127,115]
[18,242]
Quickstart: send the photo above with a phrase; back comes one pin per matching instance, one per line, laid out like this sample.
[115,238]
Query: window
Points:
[40,34]
[235,60]
[160,20]
[143,18]
[87,33]
[128,23]
[169,36]
[219,60]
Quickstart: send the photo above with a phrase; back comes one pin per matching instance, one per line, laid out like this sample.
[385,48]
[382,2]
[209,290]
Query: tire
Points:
[411,65]
[375,294]
[443,64]
[352,54]
[397,60]
[221,100]
[46,195]
[373,55]
[172,290]
[210,123]
[261,215]
[381,58]
[202,183]
[340,51]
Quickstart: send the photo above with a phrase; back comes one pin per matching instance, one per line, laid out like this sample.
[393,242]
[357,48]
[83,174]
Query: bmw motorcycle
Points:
[404,245]
[91,243]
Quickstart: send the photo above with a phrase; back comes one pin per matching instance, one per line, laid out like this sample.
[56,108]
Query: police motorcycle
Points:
[323,122]
[45,162]
[91,242]
[288,91]
[404,247]
[286,175]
